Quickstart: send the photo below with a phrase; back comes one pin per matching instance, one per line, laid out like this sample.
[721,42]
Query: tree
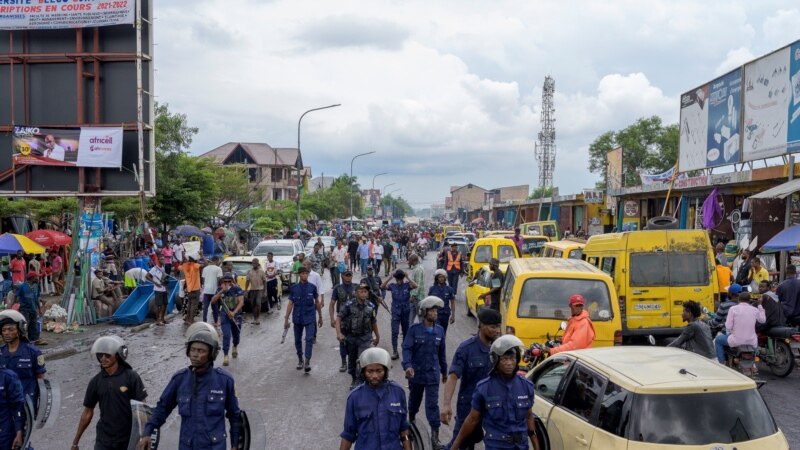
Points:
[123,208]
[186,189]
[236,193]
[172,131]
[333,202]
[398,205]
[541,192]
[277,213]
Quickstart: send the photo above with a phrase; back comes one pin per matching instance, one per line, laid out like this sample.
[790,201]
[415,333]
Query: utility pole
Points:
[545,150]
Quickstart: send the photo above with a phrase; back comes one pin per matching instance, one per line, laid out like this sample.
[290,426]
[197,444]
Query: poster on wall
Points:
[54,14]
[70,147]
[772,104]
[592,196]
[693,129]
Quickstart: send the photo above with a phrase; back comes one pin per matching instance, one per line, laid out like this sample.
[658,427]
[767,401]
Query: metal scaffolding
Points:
[545,150]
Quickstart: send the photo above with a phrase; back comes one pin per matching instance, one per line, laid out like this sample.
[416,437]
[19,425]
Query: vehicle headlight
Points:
[286,266]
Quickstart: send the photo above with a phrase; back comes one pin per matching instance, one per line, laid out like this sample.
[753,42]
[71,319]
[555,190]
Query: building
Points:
[320,182]
[466,198]
[275,169]
[506,194]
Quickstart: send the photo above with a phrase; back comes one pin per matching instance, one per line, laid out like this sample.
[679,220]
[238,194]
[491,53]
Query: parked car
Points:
[284,251]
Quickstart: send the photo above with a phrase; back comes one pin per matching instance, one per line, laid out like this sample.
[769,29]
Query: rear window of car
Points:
[576,254]
[505,253]
[533,246]
[548,298]
[242,267]
[700,419]
[483,254]
[669,269]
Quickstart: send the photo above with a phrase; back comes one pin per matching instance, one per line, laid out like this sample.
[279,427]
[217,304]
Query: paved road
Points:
[296,411]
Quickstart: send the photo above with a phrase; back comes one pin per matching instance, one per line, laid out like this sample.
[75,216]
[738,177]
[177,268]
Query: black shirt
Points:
[114,393]
[497,283]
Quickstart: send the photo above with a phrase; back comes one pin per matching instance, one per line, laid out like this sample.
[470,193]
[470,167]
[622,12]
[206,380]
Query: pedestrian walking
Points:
[315,279]
[376,294]
[204,395]
[340,260]
[363,256]
[356,326]
[303,302]
[418,277]
[12,410]
[375,415]
[440,289]
[112,388]
[340,295]
[230,297]
[27,296]
[272,272]
[425,363]
[212,275]
[401,304]
[158,276]
[255,280]
[352,251]
[377,256]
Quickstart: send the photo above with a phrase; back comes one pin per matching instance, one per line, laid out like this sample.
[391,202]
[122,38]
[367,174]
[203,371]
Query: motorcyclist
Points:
[772,309]
[696,336]
[740,326]
[580,331]
[730,301]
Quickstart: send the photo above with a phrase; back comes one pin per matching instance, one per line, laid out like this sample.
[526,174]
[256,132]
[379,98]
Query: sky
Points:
[446,92]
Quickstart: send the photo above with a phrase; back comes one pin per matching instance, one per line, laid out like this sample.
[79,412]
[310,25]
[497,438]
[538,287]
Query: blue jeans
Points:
[363,262]
[311,333]
[214,308]
[720,342]
[230,329]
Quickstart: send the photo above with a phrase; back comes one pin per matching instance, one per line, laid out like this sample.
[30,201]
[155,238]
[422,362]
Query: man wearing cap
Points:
[340,295]
[580,331]
[27,295]
[355,325]
[303,302]
[231,299]
[401,305]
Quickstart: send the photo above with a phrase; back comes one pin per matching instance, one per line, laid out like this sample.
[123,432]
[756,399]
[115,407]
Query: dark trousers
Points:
[452,280]
[376,266]
[355,345]
[462,411]
[353,260]
[230,329]
[272,292]
[214,308]
[32,318]
[335,278]
[443,319]
[399,321]
[431,392]
[311,334]
[192,299]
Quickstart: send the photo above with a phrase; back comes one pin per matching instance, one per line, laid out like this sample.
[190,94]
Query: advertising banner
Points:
[71,147]
[663,177]
[53,14]
[772,104]
[614,169]
[592,196]
[693,129]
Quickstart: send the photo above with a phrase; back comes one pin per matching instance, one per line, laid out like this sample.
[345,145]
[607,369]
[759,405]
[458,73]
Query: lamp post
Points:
[384,190]
[299,182]
[373,184]
[392,200]
[351,178]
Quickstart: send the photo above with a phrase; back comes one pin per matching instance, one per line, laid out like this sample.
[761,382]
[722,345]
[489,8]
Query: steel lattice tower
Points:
[546,145]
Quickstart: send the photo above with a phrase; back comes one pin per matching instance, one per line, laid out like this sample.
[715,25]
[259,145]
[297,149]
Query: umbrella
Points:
[49,238]
[12,243]
[206,230]
[188,230]
[786,240]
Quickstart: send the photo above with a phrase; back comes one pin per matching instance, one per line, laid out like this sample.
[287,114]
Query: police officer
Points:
[12,410]
[470,364]
[231,298]
[511,423]
[440,289]
[303,301]
[355,326]
[204,395]
[424,360]
[375,292]
[340,295]
[19,355]
[113,388]
[401,305]
[375,415]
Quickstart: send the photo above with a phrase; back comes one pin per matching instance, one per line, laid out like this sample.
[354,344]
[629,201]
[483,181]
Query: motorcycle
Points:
[742,358]
[536,353]
[778,348]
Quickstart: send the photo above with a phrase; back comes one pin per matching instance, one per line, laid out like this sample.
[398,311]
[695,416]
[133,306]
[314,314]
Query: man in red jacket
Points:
[580,331]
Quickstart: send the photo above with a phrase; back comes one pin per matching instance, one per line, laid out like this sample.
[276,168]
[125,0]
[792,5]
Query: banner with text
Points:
[53,14]
[663,177]
[71,147]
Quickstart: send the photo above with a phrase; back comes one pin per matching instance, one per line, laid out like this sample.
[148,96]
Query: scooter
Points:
[537,353]
[778,348]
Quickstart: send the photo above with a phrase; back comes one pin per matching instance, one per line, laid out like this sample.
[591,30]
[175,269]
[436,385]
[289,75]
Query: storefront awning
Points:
[780,191]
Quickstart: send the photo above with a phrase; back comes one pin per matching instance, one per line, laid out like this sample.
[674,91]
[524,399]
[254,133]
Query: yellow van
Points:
[547,228]
[487,248]
[654,272]
[451,228]
[535,299]
[563,249]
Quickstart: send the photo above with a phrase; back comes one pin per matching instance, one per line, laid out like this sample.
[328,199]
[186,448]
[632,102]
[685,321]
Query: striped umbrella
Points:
[12,243]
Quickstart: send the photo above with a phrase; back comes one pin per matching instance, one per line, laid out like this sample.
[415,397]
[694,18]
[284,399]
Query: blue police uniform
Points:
[304,298]
[424,351]
[28,298]
[401,308]
[504,405]
[471,364]
[12,407]
[203,401]
[341,294]
[375,417]
[230,328]
[27,362]
[447,294]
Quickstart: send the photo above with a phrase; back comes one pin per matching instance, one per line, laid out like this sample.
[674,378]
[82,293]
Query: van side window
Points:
[508,287]
[593,260]
[576,254]
[583,391]
[608,266]
[615,410]
[483,254]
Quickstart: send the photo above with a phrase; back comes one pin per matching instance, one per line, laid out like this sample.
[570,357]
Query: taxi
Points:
[486,248]
[653,398]
[478,288]
[242,264]
[567,249]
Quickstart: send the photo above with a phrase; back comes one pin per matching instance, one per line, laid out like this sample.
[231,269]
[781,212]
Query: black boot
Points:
[343,368]
[307,366]
[395,355]
[299,363]
[435,440]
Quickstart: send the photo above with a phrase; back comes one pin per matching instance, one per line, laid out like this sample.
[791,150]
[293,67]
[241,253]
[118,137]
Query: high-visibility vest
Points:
[453,262]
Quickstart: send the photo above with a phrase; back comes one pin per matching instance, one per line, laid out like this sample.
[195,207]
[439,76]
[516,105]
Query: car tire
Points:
[662,223]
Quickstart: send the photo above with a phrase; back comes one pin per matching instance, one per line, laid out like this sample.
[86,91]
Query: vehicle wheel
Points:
[782,362]
[662,223]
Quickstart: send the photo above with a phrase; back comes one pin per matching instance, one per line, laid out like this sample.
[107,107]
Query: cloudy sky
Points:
[447,92]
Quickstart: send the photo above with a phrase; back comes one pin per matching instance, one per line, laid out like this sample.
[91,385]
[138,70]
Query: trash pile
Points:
[56,318]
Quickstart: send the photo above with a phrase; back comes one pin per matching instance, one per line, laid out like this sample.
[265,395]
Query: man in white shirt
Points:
[272,271]
[377,255]
[133,277]
[53,150]
[211,275]
[340,258]
[158,276]
[178,253]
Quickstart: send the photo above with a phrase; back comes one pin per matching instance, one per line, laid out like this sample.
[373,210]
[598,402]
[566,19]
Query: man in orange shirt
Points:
[191,274]
[580,331]
[724,278]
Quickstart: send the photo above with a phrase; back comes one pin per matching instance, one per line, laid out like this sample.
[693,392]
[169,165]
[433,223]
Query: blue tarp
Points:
[786,240]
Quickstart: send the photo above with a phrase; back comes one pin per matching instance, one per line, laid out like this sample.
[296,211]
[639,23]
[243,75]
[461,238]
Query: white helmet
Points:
[438,272]
[503,345]
[9,315]
[375,355]
[429,302]
[110,345]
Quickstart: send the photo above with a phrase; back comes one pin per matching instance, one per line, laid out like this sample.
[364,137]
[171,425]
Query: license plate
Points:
[647,306]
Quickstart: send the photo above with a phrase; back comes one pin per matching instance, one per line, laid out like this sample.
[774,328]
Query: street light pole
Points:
[392,200]
[299,182]
[351,178]
[373,184]
[384,190]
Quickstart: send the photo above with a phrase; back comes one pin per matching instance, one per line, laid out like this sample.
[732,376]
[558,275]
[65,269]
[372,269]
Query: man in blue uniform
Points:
[231,299]
[470,364]
[355,326]
[204,395]
[510,424]
[303,302]
[401,305]
[19,355]
[340,295]
[12,410]
[447,314]
[424,361]
[28,299]
[375,416]
[376,294]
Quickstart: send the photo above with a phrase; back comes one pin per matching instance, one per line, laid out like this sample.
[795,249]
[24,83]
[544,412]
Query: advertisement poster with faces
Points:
[772,105]
[71,147]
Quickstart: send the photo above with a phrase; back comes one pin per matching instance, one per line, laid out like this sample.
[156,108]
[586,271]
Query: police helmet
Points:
[429,302]
[9,316]
[375,355]
[438,272]
[205,333]
[110,345]
[503,345]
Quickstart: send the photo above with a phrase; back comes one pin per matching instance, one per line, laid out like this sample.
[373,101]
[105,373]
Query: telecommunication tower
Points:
[545,150]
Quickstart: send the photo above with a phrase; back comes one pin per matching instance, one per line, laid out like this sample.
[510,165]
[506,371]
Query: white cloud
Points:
[781,28]
[735,58]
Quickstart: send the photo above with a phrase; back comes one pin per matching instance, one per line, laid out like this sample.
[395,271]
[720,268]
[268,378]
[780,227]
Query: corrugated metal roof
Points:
[780,191]
[262,154]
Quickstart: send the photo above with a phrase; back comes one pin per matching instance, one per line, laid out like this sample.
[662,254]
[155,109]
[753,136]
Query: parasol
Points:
[188,231]
[49,238]
[12,243]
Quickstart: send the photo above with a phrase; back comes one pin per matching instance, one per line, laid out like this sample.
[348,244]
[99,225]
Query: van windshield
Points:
[276,249]
[548,298]
[669,269]
[700,419]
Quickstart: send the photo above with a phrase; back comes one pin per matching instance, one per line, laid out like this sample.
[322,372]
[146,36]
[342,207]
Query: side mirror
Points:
[563,326]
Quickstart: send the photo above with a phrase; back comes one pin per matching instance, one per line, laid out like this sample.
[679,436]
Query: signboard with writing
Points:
[53,14]
[72,147]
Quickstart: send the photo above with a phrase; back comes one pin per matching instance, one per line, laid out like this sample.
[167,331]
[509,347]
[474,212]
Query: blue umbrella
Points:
[786,240]
[188,231]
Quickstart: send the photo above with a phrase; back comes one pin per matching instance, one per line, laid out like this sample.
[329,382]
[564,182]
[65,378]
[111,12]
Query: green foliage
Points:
[186,190]
[172,131]
[278,213]
[266,225]
[37,209]
[124,208]
[236,193]
[333,202]
[398,205]
[541,192]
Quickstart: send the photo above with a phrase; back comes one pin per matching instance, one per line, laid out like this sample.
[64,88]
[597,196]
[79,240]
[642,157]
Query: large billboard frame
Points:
[80,77]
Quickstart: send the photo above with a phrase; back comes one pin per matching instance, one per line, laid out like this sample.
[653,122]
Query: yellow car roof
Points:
[662,370]
[566,266]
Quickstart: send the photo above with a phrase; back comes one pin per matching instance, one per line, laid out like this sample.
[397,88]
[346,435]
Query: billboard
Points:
[71,147]
[710,120]
[48,15]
